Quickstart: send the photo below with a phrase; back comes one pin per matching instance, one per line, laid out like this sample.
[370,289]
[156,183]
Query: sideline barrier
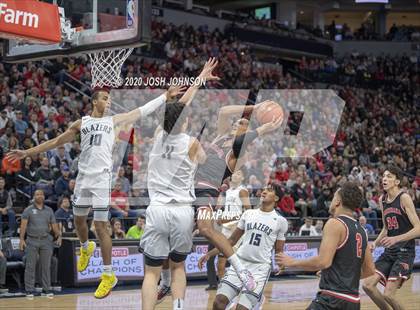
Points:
[128,263]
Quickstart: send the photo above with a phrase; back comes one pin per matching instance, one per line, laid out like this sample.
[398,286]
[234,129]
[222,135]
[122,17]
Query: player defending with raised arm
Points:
[94,177]
[263,230]
[401,226]
[173,162]
[344,257]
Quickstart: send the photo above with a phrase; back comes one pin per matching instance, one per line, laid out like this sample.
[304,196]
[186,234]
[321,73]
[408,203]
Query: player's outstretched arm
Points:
[408,206]
[148,108]
[205,75]
[368,266]
[334,232]
[68,136]
[384,231]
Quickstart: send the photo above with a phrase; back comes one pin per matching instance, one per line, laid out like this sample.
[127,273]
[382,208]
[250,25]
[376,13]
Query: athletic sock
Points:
[85,244]
[107,269]
[165,277]
[178,304]
[236,263]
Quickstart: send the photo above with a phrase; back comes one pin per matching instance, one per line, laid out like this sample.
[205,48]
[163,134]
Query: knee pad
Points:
[152,262]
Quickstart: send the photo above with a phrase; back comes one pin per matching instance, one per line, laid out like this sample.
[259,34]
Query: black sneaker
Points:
[211,288]
[48,294]
[3,289]
[163,291]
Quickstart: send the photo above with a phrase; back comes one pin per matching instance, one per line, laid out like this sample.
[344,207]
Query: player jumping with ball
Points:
[94,177]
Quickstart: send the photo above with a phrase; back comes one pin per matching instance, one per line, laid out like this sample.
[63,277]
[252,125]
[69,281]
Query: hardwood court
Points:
[289,294]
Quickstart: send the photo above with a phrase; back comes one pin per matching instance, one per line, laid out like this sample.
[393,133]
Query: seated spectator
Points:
[117,232]
[125,183]
[3,268]
[46,180]
[136,231]
[6,210]
[323,203]
[308,229]
[64,215]
[369,228]
[287,205]
[62,183]
[319,226]
[28,176]
[20,125]
[119,204]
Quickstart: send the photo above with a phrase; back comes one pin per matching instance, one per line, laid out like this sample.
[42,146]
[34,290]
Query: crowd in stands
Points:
[378,127]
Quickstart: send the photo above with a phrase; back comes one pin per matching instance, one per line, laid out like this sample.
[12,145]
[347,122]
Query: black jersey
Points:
[343,276]
[397,223]
[215,170]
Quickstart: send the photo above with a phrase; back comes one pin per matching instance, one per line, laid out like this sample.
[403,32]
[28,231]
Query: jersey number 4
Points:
[95,140]
[392,223]
[255,239]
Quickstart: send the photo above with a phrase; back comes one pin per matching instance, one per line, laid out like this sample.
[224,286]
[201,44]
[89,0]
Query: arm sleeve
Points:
[243,141]
[284,226]
[152,105]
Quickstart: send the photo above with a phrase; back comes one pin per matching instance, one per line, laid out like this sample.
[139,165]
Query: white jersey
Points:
[171,171]
[97,141]
[233,205]
[262,229]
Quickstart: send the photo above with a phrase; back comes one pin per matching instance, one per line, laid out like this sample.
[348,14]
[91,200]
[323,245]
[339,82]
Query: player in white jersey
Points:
[94,178]
[236,202]
[172,165]
[263,230]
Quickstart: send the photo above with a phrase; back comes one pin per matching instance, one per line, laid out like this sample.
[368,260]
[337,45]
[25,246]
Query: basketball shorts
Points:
[93,190]
[168,230]
[205,197]
[394,266]
[231,286]
[324,301]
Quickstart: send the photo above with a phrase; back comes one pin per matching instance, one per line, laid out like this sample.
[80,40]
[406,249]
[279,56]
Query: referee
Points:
[37,222]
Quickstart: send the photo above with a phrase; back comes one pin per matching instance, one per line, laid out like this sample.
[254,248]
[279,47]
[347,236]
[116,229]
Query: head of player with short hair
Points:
[101,102]
[240,127]
[269,197]
[176,119]
[236,178]
[346,199]
[391,179]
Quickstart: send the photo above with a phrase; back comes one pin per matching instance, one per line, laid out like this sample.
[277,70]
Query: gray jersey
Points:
[171,172]
[97,141]
[262,229]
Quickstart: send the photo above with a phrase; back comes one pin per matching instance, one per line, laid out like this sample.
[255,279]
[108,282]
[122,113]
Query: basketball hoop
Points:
[106,67]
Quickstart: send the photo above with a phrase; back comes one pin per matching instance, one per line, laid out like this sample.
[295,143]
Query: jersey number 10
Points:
[95,140]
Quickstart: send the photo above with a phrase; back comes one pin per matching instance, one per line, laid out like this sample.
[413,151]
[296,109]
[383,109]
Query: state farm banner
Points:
[30,20]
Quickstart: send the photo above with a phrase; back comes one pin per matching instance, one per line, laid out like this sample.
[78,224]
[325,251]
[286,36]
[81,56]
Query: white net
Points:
[106,67]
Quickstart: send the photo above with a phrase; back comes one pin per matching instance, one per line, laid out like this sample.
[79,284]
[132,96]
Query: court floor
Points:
[283,294]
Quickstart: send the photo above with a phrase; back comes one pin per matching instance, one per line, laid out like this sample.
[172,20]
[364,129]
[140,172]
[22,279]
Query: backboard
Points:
[92,25]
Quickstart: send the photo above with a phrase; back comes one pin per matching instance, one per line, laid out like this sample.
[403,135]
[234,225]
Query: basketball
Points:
[268,111]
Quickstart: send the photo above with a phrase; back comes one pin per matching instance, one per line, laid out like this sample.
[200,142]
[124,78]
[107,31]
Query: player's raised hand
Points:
[271,126]
[175,90]
[207,72]
[203,259]
[284,260]
[15,155]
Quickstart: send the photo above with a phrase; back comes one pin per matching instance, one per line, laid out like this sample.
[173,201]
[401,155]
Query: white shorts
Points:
[231,286]
[92,190]
[169,229]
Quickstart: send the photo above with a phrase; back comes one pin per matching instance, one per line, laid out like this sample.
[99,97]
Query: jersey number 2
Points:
[359,242]
[392,223]
[255,239]
[95,140]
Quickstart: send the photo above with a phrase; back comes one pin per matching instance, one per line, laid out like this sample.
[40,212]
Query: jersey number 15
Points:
[255,239]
